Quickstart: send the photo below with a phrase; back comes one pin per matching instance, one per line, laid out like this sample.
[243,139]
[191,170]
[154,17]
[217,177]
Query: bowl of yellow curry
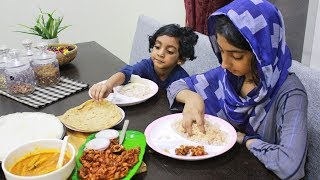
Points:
[37,160]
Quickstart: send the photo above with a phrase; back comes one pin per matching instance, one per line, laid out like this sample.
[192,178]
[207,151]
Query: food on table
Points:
[45,66]
[38,163]
[21,88]
[60,49]
[102,139]
[19,128]
[112,163]
[192,150]
[4,57]
[92,116]
[98,144]
[108,133]
[65,52]
[3,83]
[213,135]
[47,75]
[19,75]
[135,90]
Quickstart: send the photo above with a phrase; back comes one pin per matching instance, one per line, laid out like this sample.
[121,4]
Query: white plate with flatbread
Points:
[136,91]
[19,128]
[89,131]
[92,116]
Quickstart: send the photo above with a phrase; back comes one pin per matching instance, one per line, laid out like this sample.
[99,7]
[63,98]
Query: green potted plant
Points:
[47,26]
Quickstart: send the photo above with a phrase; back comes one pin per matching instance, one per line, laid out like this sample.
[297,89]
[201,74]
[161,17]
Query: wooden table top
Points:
[93,64]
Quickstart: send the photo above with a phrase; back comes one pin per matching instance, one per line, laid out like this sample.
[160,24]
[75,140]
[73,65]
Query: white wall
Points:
[315,55]
[311,54]
[111,23]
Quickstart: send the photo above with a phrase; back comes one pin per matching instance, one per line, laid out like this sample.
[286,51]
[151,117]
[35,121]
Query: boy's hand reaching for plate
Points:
[99,91]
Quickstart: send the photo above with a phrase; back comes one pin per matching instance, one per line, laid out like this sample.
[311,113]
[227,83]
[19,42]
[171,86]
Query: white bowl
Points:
[21,151]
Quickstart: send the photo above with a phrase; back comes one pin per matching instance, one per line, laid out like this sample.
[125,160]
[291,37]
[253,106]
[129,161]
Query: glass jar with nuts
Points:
[19,75]
[46,66]
[4,58]
[3,84]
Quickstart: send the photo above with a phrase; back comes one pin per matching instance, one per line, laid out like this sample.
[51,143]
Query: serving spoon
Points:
[62,152]
[123,131]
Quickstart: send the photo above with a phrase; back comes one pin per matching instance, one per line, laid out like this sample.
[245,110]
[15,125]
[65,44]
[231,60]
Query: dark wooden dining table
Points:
[95,63]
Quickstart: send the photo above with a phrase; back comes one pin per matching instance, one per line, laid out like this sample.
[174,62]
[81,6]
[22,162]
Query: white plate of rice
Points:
[136,91]
[165,134]
[19,128]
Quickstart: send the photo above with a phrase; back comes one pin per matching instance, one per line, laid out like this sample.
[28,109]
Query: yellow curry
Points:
[38,164]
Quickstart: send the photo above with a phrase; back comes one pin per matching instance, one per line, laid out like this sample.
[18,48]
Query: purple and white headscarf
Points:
[262,26]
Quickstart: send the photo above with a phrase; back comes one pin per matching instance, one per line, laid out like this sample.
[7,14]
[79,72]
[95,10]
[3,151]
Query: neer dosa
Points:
[92,116]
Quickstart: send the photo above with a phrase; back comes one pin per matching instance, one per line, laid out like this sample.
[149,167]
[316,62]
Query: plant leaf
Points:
[46,26]
[26,26]
[42,20]
[46,33]
[62,28]
[27,33]
[55,28]
[38,30]
[58,23]
[49,23]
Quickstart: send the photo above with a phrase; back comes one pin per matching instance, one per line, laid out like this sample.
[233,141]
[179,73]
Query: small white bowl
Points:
[21,151]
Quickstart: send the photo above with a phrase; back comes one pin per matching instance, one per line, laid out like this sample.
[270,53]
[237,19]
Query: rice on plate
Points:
[213,135]
[135,90]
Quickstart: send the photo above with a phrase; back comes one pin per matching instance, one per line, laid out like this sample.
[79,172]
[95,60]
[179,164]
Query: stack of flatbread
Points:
[92,116]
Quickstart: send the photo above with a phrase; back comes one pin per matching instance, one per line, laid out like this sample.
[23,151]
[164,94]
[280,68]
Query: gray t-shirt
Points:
[283,144]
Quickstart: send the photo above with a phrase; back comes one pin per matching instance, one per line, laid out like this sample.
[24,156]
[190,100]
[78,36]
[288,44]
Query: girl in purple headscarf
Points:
[252,89]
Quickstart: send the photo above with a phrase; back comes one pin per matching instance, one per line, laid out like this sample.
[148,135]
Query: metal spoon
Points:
[123,131]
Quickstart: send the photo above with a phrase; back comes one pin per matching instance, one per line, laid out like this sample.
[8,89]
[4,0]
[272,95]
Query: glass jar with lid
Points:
[28,51]
[45,66]
[4,53]
[4,58]
[3,84]
[19,75]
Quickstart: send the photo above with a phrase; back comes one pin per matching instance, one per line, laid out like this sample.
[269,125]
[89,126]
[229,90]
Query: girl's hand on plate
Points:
[193,111]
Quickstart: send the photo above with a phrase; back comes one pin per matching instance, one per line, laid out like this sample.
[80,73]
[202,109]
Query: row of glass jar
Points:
[21,71]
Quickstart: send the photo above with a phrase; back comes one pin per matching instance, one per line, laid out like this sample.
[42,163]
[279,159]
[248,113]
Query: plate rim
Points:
[151,126]
[131,103]
[123,114]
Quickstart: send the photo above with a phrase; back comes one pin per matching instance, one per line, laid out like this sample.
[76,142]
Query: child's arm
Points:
[193,110]
[100,91]
[142,69]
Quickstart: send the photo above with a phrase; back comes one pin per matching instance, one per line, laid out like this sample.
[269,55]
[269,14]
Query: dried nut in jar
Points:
[2,82]
[23,88]
[47,75]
